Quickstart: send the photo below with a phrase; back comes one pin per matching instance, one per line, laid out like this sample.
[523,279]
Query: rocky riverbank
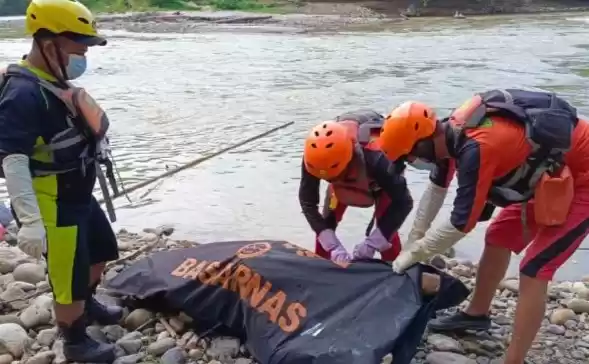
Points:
[27,334]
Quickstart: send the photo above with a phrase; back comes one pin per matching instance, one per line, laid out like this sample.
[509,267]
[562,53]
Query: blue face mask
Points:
[76,66]
[422,165]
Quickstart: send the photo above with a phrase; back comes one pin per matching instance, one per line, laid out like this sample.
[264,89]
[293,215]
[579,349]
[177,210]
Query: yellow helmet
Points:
[67,18]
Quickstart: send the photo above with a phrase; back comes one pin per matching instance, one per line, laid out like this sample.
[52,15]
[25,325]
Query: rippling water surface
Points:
[171,98]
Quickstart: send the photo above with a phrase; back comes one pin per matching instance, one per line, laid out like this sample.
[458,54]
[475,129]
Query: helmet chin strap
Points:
[61,78]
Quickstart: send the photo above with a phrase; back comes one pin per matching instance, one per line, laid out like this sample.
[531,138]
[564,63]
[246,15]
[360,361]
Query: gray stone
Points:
[29,272]
[13,340]
[555,329]
[174,356]
[44,357]
[138,318]
[448,358]
[130,359]
[46,337]
[444,343]
[161,346]
[131,346]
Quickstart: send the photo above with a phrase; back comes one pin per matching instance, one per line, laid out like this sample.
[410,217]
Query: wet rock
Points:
[137,318]
[13,340]
[161,346]
[448,358]
[562,315]
[444,343]
[174,356]
[29,272]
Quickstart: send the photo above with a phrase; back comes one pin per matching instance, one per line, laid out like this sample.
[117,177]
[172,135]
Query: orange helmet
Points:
[406,124]
[328,150]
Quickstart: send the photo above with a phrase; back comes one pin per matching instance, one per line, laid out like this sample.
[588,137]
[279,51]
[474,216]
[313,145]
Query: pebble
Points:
[13,339]
[27,334]
[29,272]
[562,315]
[448,358]
[161,346]
[138,318]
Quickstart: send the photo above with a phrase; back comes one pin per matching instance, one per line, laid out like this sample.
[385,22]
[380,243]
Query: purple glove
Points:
[374,242]
[340,255]
[331,243]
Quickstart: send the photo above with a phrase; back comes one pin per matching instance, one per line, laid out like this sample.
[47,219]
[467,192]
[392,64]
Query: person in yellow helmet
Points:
[52,141]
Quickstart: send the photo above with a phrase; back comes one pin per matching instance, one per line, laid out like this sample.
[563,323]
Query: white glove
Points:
[32,239]
[429,205]
[434,242]
[19,183]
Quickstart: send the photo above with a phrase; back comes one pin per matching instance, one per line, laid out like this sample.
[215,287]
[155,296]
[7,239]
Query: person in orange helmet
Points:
[524,151]
[342,152]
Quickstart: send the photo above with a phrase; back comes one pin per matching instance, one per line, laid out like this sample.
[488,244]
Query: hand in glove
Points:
[330,242]
[31,239]
[373,243]
[340,255]
[436,241]
[19,183]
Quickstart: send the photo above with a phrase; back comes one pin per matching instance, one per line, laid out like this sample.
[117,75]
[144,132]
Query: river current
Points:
[174,97]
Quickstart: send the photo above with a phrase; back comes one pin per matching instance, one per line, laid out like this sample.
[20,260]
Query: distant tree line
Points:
[13,7]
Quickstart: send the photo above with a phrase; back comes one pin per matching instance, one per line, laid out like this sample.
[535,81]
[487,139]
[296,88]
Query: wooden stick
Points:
[197,161]
[168,328]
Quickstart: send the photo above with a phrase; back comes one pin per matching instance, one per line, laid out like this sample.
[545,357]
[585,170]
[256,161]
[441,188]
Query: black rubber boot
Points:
[104,315]
[79,347]
[460,322]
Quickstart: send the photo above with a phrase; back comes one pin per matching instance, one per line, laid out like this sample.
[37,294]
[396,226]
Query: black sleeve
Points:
[309,200]
[387,175]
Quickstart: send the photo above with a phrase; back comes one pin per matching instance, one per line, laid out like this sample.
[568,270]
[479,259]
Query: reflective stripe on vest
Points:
[86,127]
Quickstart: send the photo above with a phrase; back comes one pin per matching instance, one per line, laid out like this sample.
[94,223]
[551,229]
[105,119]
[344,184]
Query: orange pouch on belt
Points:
[553,198]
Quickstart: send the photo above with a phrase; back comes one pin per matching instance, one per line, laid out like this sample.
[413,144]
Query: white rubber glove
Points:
[31,236]
[429,205]
[436,241]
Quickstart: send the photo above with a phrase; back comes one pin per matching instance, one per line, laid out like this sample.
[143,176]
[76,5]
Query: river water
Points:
[173,97]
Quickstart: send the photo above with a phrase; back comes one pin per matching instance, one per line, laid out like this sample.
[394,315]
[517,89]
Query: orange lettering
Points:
[292,320]
[252,289]
[207,275]
[184,267]
[242,275]
[273,306]
[221,276]
[195,271]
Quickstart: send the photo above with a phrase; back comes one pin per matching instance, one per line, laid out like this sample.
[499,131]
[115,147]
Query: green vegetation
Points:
[18,7]
[13,7]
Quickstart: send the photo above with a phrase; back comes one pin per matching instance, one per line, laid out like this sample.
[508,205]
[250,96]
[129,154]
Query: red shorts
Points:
[548,247]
